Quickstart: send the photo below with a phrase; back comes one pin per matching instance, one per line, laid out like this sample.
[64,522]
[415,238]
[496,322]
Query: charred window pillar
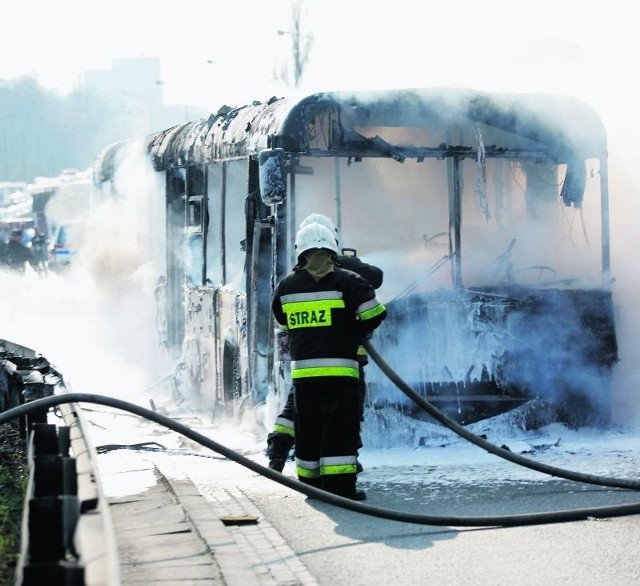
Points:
[455,218]
[176,210]
[195,225]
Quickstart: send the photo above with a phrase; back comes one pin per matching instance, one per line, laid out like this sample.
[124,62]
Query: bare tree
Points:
[301,43]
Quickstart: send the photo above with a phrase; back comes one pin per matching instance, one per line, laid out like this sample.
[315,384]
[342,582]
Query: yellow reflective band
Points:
[377,310]
[307,473]
[367,305]
[278,428]
[310,314]
[299,373]
[338,469]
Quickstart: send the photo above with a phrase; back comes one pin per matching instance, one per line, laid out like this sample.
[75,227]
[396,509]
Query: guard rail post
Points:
[50,515]
[67,533]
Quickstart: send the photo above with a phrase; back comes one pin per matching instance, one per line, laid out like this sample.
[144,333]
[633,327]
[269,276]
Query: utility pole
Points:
[300,41]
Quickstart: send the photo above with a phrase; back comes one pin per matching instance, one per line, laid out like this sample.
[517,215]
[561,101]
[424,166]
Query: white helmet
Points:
[321,219]
[315,236]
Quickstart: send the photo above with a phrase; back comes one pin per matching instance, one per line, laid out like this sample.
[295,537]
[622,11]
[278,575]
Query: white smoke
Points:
[95,321]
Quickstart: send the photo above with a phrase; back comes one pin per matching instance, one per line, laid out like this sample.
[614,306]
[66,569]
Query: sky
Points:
[569,46]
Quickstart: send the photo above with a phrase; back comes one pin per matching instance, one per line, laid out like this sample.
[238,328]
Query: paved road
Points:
[297,540]
[344,547]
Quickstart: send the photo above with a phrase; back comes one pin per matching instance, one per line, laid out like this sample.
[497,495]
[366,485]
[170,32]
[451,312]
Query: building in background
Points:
[133,90]
[42,133]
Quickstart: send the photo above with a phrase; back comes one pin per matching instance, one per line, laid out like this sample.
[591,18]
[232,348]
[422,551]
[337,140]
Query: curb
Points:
[249,552]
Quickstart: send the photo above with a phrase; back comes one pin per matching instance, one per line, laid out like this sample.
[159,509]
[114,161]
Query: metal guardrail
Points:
[67,536]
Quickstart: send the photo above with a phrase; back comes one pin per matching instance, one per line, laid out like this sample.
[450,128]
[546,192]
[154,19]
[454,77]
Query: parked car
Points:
[62,250]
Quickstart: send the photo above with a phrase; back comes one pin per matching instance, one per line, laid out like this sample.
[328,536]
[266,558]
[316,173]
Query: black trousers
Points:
[327,425]
[279,444]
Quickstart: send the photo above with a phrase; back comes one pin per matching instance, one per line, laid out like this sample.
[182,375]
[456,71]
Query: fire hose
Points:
[390,514]
[488,446]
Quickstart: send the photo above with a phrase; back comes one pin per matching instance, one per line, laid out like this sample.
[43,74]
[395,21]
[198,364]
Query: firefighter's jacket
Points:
[326,321]
[369,272]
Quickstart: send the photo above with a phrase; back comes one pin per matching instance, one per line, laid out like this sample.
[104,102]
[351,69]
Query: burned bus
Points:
[487,212]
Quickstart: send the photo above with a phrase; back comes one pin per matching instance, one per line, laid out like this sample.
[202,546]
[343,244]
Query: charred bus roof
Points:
[558,127]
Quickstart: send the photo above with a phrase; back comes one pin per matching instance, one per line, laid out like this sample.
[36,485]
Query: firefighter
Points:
[17,255]
[327,310]
[40,248]
[281,439]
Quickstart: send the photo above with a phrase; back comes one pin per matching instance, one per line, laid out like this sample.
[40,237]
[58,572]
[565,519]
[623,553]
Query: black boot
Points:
[276,464]
[343,485]
[278,446]
[358,495]
[315,482]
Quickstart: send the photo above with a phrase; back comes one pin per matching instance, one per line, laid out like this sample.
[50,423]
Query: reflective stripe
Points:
[367,305]
[284,425]
[284,421]
[339,469]
[285,429]
[324,367]
[324,371]
[311,362]
[370,309]
[333,460]
[308,468]
[363,355]
[338,465]
[315,296]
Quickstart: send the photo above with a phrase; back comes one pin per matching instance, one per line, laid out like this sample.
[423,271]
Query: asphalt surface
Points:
[173,532]
[170,506]
[345,547]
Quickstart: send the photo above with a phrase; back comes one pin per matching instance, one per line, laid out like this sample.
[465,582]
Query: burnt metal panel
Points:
[564,128]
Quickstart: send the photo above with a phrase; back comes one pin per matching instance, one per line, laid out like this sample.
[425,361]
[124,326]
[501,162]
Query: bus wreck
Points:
[488,214]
